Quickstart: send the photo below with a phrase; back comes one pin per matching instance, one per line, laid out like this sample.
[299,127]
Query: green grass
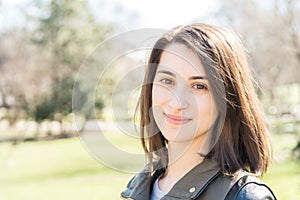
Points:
[61,169]
[64,169]
[284,179]
[283,175]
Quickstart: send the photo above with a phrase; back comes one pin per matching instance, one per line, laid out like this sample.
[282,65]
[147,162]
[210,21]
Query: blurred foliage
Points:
[44,110]
[67,33]
[271,33]
[60,100]
[61,35]
[38,63]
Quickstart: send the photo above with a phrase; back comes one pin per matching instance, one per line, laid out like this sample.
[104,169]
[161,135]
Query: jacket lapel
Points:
[194,183]
[140,186]
[190,186]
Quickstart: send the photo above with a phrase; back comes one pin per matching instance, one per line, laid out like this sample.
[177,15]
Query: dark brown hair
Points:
[241,138]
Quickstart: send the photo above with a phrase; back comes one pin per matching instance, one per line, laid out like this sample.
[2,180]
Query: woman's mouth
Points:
[177,119]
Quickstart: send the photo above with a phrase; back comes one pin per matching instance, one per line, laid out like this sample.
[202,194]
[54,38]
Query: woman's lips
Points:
[177,119]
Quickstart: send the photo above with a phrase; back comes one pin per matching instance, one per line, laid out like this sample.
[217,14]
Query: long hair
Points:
[241,138]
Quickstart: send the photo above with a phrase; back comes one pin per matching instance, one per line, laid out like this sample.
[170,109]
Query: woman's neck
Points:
[182,158]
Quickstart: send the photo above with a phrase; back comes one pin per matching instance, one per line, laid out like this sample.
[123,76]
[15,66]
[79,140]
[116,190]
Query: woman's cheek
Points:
[160,95]
[207,110]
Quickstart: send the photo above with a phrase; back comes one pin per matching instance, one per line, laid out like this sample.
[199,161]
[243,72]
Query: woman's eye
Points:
[167,81]
[199,86]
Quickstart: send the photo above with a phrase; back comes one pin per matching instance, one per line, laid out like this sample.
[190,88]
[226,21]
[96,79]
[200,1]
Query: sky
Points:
[155,13]
[127,14]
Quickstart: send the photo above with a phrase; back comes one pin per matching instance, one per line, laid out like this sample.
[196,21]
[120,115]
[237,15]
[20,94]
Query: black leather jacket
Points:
[204,182]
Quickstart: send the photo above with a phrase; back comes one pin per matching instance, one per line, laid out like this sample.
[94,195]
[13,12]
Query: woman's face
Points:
[183,106]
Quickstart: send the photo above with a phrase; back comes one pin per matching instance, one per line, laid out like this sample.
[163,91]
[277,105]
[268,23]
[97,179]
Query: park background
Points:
[44,42]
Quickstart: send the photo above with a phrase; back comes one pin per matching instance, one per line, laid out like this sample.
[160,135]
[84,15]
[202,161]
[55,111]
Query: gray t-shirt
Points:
[157,193]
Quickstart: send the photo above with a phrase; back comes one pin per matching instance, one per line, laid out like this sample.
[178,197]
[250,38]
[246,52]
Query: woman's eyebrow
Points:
[166,72]
[197,77]
[172,74]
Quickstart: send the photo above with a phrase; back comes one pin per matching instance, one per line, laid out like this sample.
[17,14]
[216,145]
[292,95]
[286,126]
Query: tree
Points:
[66,34]
[271,31]
[38,63]
[22,79]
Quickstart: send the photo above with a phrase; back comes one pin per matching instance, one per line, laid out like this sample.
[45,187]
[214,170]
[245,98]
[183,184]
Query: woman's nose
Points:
[178,100]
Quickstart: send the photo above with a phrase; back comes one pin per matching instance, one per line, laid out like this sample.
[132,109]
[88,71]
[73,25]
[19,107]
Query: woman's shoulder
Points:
[249,187]
[140,185]
[137,186]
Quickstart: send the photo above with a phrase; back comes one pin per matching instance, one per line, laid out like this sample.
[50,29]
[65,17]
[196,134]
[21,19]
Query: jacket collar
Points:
[190,186]
[139,187]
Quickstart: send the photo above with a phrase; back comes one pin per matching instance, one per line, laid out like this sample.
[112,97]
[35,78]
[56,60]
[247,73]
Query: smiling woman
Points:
[202,127]
[183,107]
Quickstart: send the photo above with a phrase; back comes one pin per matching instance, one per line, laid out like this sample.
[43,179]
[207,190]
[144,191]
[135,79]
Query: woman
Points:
[202,127]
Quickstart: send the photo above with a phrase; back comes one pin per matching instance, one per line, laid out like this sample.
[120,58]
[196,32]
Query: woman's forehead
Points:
[177,57]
